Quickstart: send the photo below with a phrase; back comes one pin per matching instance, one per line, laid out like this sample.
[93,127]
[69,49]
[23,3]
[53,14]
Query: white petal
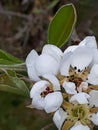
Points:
[46,64]
[69,87]
[32,73]
[52,51]
[95,57]
[39,87]
[38,102]
[89,41]
[65,64]
[31,57]
[93,76]
[81,58]
[53,101]
[79,126]
[93,100]
[70,49]
[81,98]
[53,80]
[94,118]
[59,117]
[30,61]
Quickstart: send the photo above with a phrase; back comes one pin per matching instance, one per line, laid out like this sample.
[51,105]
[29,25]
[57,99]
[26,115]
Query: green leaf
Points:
[15,67]
[13,84]
[62,25]
[6,58]
[9,62]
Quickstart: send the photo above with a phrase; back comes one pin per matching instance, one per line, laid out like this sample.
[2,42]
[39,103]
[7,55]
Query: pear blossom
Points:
[75,117]
[81,61]
[80,56]
[48,62]
[46,94]
[71,118]
[79,69]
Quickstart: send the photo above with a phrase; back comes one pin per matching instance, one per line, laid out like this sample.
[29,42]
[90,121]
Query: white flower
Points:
[75,117]
[81,57]
[46,94]
[78,59]
[79,126]
[46,63]
[64,120]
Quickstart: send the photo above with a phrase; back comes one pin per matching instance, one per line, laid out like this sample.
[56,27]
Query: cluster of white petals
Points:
[46,66]
[48,62]
[78,65]
[45,98]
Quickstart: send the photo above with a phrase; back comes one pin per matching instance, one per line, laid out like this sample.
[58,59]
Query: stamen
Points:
[79,70]
[46,91]
[75,67]
[78,113]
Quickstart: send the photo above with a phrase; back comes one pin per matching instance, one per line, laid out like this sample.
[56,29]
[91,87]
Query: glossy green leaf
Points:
[6,58]
[13,84]
[62,25]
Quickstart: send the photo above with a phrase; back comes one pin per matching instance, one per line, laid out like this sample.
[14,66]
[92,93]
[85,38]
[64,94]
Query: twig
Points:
[17,14]
[47,126]
[25,29]
[18,35]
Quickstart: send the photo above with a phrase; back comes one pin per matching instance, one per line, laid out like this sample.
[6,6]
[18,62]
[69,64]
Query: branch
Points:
[25,29]
[17,14]
[18,35]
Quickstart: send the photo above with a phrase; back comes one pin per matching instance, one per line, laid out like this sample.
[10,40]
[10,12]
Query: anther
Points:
[78,70]
[75,67]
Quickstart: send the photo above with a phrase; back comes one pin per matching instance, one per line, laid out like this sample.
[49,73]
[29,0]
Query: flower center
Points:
[48,90]
[76,80]
[78,112]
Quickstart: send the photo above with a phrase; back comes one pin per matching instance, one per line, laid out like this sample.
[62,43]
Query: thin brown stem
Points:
[47,126]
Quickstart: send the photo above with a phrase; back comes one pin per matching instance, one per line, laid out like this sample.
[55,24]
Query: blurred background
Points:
[23,27]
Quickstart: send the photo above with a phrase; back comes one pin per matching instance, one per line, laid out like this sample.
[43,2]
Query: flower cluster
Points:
[66,84]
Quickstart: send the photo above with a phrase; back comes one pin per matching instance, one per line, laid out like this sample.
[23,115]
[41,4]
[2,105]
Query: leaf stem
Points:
[15,67]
